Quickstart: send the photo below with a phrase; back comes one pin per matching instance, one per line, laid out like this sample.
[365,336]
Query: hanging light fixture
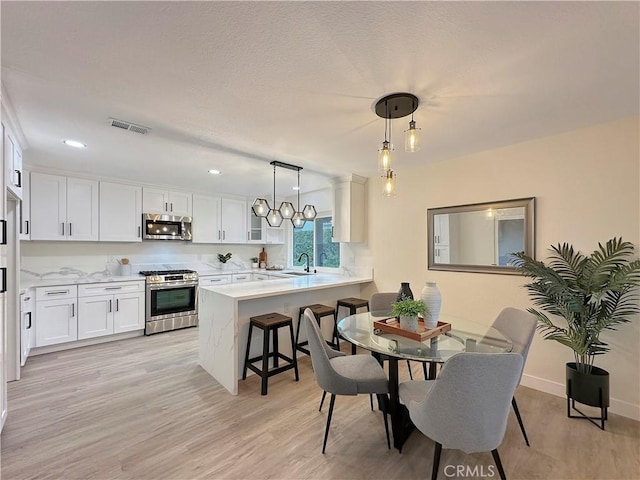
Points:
[298,220]
[389,184]
[412,137]
[274,217]
[384,154]
[395,105]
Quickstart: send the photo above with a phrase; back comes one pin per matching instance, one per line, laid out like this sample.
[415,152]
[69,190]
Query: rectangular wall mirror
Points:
[480,237]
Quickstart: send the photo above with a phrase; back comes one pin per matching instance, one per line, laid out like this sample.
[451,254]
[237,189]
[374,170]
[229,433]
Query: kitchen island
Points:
[224,313]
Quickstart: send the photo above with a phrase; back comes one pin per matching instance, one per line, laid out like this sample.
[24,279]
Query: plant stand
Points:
[589,389]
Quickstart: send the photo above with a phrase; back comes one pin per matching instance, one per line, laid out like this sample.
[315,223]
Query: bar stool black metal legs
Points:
[269,324]
[319,311]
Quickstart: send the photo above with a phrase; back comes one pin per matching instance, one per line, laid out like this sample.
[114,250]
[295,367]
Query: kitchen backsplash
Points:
[90,257]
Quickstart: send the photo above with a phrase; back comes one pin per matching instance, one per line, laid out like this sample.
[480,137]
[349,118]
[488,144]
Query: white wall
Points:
[587,188]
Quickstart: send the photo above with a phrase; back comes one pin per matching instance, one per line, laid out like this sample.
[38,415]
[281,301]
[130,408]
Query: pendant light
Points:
[274,217]
[412,137]
[389,184]
[384,154]
[395,105]
[298,220]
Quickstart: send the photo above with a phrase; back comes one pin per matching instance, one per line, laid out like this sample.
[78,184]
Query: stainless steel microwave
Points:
[166,227]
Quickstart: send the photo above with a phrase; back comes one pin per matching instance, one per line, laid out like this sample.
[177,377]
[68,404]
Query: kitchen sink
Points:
[298,274]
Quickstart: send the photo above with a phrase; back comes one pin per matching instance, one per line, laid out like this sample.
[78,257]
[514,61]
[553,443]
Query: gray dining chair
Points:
[341,374]
[467,407]
[520,327]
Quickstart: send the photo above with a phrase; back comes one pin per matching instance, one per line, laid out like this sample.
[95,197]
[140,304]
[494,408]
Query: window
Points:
[315,240]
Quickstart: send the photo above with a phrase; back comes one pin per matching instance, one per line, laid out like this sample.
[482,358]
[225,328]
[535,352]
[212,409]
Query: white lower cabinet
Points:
[56,315]
[242,277]
[211,280]
[108,308]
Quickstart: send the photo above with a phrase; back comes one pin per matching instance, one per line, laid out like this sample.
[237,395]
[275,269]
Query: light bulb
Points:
[384,157]
[298,220]
[412,138]
[287,210]
[274,218]
[389,184]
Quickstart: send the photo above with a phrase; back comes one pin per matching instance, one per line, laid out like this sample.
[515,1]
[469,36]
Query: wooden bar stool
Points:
[353,304]
[269,323]
[319,311]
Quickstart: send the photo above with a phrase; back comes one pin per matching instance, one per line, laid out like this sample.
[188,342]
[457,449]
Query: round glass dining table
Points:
[464,336]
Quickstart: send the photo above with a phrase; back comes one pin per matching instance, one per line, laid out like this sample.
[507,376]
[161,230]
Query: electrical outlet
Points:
[286,308]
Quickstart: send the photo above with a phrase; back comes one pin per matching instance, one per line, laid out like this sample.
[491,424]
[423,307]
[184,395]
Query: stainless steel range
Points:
[172,300]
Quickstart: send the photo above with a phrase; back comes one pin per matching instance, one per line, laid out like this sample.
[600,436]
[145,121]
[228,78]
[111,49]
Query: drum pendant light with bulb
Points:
[274,217]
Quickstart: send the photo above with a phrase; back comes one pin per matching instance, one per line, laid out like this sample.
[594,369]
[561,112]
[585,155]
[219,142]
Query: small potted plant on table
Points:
[254,262]
[408,310]
[591,294]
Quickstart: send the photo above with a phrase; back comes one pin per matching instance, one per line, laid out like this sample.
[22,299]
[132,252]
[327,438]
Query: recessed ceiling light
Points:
[213,171]
[74,143]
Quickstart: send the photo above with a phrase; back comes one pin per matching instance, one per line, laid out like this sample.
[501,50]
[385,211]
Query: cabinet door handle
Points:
[171,206]
[19,184]
[218,234]
[73,310]
[4,279]
[69,228]
[29,324]
[27,221]
[26,299]
[139,228]
[4,232]
[166,206]
[57,292]
[224,234]
[62,228]
[113,288]
[110,309]
[117,306]
[248,238]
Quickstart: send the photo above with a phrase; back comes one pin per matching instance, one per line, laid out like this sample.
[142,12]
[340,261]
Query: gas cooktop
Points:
[148,273]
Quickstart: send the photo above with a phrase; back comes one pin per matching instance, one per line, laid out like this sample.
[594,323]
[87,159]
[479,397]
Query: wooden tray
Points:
[391,325]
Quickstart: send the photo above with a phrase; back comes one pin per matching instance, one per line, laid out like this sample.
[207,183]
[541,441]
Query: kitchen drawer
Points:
[214,280]
[113,288]
[58,292]
[260,276]
[242,277]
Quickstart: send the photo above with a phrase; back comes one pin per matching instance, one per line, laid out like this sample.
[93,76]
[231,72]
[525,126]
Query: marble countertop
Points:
[249,290]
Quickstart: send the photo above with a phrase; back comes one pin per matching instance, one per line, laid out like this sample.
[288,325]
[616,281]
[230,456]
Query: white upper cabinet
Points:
[166,202]
[25,207]
[63,208]
[219,220]
[256,232]
[120,212]
[12,163]
[349,209]
[205,225]
[233,220]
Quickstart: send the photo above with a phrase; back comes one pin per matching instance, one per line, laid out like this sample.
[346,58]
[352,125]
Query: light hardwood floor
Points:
[142,408]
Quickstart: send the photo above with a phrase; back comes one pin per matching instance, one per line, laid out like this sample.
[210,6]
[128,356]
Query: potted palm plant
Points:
[591,294]
[408,310]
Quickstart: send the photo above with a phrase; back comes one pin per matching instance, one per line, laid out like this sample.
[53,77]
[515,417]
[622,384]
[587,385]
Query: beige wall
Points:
[587,188]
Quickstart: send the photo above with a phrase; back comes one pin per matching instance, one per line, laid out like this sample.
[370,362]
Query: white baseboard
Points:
[84,343]
[618,407]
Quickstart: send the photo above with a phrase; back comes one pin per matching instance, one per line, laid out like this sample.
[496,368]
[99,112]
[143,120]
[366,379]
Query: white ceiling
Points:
[234,85]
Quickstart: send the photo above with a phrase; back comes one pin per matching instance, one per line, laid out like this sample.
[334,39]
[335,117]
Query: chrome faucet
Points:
[304,254]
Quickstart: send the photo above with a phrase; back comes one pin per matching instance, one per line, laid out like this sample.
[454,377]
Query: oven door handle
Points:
[170,286]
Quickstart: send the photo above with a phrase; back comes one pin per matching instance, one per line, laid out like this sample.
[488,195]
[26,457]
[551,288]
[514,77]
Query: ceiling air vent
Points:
[132,127]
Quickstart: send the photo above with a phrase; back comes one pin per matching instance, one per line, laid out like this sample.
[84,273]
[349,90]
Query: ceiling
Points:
[234,85]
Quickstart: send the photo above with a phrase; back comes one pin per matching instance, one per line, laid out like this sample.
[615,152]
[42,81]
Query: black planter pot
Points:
[588,389]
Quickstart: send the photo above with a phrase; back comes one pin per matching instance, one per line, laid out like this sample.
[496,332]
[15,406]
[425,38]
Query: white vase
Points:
[430,295]
[409,323]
